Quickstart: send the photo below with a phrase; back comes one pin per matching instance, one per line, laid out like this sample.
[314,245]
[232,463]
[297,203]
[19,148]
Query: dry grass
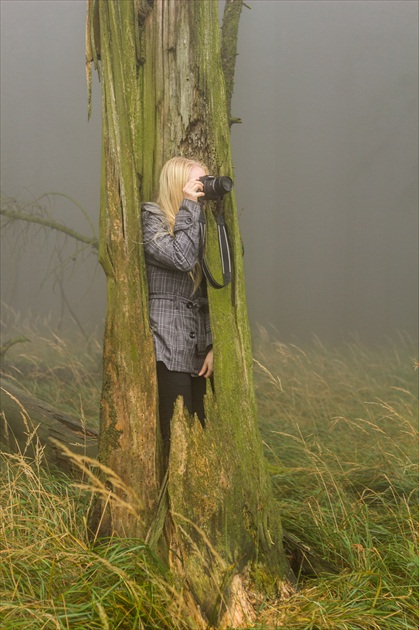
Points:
[53,575]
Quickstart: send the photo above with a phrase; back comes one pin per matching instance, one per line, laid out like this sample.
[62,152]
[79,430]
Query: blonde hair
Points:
[173,177]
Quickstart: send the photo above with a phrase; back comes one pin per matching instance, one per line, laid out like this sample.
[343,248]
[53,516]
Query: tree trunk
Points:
[128,439]
[164,94]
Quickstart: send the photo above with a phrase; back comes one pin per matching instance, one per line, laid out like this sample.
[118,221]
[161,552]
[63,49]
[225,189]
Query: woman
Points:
[179,316]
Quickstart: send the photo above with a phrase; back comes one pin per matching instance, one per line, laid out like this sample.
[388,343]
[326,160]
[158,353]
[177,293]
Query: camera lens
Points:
[224,184]
[216,187]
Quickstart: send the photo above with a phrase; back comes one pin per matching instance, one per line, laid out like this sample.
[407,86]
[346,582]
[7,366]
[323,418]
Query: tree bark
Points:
[229,39]
[163,93]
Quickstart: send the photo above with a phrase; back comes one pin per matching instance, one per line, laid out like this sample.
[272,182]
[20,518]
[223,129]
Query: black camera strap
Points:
[224,250]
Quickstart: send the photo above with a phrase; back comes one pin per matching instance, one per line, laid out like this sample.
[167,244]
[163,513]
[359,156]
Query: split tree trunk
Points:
[163,94]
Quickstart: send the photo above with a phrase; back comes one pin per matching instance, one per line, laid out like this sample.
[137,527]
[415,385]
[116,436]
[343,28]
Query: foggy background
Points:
[326,163]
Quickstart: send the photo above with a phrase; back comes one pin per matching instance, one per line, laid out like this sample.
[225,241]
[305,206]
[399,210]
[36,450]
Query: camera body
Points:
[215,187]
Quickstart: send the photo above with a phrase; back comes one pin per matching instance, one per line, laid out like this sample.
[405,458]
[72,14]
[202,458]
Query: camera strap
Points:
[224,250]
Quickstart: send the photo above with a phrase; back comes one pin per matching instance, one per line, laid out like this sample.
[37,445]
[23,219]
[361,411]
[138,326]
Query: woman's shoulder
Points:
[153,219]
[151,206]
[151,213]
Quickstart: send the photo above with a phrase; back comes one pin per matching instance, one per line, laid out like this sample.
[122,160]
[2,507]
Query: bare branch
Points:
[11,342]
[16,215]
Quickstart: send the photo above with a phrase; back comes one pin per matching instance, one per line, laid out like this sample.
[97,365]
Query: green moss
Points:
[263,580]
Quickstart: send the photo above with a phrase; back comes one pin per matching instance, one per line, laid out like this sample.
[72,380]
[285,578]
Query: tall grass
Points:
[340,429]
[341,435]
[62,368]
[53,576]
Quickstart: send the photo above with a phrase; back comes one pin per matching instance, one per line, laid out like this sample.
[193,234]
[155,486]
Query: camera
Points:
[215,187]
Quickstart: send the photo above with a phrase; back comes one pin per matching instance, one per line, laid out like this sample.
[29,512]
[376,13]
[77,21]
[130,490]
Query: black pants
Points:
[171,385]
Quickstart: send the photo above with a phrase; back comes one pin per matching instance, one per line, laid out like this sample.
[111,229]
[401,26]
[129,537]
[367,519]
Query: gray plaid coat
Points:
[179,318]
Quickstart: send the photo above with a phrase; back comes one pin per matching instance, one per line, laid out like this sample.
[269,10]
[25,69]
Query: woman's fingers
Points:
[193,189]
[208,365]
[206,371]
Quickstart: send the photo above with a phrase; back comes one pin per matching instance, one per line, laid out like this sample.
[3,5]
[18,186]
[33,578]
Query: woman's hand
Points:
[193,189]
[208,366]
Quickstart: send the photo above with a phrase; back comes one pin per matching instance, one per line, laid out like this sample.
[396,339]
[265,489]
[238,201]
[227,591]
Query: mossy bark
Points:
[164,94]
[128,439]
[230,32]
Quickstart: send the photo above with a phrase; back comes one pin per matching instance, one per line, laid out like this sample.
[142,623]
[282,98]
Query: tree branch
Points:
[229,36]
[11,342]
[50,223]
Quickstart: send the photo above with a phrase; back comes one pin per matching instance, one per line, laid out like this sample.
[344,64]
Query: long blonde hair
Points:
[173,177]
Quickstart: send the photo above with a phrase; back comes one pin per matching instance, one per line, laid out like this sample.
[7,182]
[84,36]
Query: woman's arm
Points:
[180,250]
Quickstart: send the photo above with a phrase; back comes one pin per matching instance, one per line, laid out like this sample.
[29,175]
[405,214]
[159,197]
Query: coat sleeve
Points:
[208,332]
[180,250]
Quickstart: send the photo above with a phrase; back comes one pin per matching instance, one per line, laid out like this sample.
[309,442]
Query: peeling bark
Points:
[229,39]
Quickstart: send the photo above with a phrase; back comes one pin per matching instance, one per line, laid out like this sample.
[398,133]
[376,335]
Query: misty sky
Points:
[325,160]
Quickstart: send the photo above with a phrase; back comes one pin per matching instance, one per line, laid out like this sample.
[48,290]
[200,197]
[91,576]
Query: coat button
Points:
[189,305]
[192,335]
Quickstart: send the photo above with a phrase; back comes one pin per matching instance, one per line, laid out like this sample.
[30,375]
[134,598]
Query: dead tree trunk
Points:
[27,422]
[163,94]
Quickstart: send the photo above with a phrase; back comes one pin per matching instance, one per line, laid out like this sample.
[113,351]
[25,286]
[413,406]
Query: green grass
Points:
[340,429]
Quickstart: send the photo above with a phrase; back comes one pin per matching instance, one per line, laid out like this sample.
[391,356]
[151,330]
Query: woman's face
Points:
[196,172]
